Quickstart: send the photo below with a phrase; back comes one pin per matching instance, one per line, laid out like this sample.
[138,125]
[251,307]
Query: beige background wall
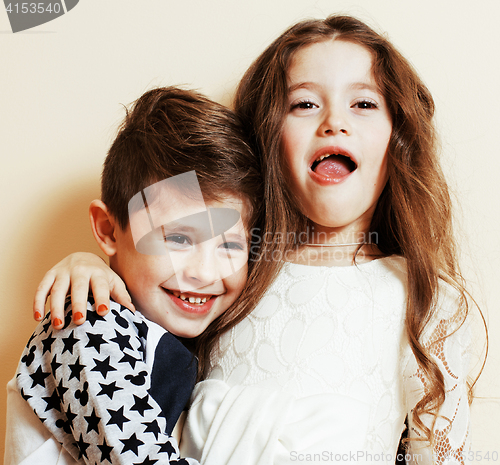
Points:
[61,86]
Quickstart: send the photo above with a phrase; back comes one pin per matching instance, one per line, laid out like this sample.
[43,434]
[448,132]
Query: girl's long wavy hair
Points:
[413,216]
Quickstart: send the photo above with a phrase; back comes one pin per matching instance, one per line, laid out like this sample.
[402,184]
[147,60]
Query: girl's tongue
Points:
[334,166]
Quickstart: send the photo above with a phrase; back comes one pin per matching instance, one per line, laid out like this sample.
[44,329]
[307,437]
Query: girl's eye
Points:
[177,241]
[304,105]
[365,105]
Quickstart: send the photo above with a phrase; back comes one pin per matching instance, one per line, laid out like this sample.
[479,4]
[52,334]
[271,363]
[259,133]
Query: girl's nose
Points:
[335,122]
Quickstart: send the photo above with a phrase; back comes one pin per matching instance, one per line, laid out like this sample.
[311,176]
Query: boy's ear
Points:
[103,227]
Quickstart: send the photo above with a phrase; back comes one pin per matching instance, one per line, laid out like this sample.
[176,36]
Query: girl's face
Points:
[335,136]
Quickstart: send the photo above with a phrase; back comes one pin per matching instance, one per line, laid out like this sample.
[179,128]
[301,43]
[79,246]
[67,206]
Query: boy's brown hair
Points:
[169,131]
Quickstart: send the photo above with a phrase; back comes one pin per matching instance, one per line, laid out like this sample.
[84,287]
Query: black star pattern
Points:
[122,341]
[152,427]
[92,422]
[61,390]
[69,343]
[132,444]
[142,329]
[76,368]
[146,461]
[108,389]
[47,324]
[47,343]
[168,448]
[82,447]
[93,317]
[129,359]
[53,402]
[54,365]
[103,367]
[141,404]
[117,418]
[95,341]
[38,377]
[105,451]
[70,415]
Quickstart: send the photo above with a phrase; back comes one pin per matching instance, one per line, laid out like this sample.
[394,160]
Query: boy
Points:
[179,190]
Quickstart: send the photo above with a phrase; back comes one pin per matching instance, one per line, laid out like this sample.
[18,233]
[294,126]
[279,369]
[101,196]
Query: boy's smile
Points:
[183,282]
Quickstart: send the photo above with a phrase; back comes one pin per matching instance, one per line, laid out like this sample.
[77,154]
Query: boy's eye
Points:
[365,105]
[177,241]
[232,246]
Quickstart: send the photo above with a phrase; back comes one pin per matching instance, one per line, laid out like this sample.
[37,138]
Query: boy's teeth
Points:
[191,300]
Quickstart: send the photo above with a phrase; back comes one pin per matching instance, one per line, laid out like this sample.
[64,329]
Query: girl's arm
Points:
[448,341]
[76,275]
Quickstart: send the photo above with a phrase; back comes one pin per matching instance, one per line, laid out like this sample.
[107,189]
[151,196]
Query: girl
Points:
[335,357]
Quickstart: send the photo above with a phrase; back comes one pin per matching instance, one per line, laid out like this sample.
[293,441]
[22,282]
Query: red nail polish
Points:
[77,316]
[56,322]
[102,309]
[38,316]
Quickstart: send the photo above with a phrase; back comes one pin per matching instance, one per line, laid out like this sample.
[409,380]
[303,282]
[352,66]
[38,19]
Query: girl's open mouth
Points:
[191,302]
[334,166]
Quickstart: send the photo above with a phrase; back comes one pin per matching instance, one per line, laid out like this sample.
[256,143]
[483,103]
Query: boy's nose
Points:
[201,267]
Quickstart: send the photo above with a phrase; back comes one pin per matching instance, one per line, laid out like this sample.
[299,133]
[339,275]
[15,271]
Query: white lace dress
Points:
[321,371]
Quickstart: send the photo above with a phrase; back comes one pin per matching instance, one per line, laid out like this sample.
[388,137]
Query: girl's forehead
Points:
[328,56]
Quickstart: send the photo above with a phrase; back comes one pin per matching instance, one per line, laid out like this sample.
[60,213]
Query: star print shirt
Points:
[108,391]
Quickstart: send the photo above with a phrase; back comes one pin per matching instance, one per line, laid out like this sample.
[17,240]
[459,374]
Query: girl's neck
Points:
[346,255]
[336,246]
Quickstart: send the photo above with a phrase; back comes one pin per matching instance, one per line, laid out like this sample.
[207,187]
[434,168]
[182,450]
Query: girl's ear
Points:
[103,227]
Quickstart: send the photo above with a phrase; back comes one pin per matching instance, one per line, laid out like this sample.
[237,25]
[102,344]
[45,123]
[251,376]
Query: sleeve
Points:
[251,425]
[448,340]
[89,386]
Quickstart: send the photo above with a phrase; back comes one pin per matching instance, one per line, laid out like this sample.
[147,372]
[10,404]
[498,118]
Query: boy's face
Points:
[194,257]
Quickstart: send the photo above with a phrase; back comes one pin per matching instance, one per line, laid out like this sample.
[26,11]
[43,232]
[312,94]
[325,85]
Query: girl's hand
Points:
[73,275]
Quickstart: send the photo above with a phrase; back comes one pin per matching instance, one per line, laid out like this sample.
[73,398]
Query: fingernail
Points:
[38,316]
[56,322]
[77,316]
[101,309]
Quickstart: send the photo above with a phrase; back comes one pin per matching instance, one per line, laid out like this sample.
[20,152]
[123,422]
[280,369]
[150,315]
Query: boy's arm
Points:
[89,386]
[75,274]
